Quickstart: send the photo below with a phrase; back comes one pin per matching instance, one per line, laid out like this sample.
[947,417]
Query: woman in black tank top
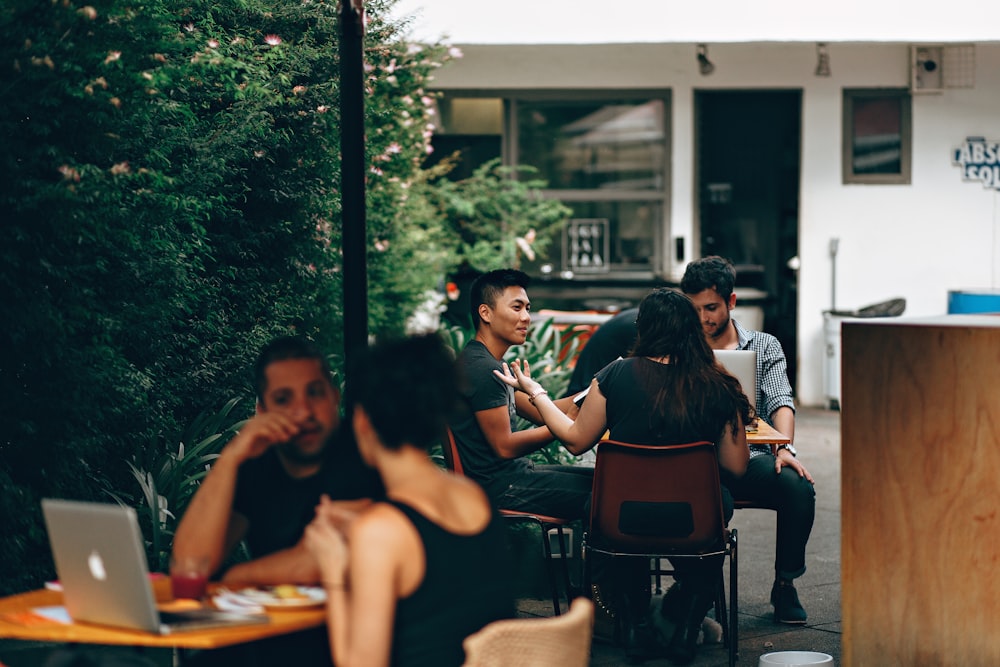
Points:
[404,578]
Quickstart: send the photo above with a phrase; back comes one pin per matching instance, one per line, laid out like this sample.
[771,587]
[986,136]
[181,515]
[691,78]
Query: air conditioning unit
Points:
[937,67]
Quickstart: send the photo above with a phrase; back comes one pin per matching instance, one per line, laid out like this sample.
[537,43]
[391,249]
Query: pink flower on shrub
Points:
[272,40]
[69,173]
[112,56]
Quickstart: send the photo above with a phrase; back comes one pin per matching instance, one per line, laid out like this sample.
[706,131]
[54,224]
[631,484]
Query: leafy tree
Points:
[170,187]
[498,214]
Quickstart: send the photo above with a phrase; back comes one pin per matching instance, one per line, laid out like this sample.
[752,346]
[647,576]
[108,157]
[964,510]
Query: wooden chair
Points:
[545,523]
[663,502]
[558,641]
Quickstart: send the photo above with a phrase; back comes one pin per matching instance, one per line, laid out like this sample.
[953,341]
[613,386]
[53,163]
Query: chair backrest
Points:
[656,499]
[556,641]
[450,451]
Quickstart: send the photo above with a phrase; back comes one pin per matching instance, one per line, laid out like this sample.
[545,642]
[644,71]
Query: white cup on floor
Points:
[794,659]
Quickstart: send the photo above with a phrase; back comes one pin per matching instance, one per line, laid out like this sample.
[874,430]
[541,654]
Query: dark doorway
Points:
[747,152]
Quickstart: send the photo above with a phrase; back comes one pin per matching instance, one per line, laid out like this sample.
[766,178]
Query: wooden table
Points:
[18,622]
[765,434]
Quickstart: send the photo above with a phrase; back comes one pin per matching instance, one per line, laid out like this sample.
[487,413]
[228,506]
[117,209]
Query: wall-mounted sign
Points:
[979,160]
[585,245]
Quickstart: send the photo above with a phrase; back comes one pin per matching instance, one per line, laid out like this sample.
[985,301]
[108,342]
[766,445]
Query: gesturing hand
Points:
[326,542]
[264,431]
[518,379]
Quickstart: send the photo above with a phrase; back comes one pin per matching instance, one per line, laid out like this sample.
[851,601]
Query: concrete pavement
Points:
[817,438]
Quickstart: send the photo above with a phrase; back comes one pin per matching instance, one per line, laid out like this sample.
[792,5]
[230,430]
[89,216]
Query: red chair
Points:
[663,502]
[545,524]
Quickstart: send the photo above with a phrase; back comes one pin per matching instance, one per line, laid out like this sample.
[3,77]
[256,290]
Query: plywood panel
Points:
[920,442]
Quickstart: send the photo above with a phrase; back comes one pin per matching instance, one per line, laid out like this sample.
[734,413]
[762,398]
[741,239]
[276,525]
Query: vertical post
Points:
[352,176]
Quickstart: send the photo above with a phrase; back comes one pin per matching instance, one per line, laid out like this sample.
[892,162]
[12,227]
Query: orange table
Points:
[765,434]
[18,622]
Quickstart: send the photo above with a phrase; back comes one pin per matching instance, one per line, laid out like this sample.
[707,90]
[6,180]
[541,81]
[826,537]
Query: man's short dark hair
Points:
[407,387]
[283,349]
[712,272]
[488,287]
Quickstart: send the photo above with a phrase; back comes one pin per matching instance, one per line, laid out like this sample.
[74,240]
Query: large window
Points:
[603,154]
[876,136]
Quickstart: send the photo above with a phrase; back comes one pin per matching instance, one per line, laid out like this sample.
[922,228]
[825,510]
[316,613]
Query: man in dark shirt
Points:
[612,339]
[264,489]
[268,480]
[493,450]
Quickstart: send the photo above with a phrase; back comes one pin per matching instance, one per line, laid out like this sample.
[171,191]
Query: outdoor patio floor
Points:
[817,438]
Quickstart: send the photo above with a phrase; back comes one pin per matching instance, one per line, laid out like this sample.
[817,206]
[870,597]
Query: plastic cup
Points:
[189,577]
[794,659]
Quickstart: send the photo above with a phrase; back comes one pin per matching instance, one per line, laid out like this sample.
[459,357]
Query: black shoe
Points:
[674,604]
[683,644]
[787,608]
[641,642]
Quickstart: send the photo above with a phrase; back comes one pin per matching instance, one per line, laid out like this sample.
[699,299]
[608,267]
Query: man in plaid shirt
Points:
[779,479]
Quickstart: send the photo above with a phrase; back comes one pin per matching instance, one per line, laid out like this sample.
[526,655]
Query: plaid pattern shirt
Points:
[773,389]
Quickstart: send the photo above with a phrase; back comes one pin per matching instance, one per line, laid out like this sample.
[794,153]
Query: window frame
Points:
[661,262]
[849,176]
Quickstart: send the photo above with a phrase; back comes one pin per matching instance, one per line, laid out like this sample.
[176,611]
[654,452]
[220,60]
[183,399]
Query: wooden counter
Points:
[920,446]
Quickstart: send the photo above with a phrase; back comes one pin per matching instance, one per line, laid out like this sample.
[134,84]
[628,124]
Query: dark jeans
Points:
[795,499]
[556,490]
[308,648]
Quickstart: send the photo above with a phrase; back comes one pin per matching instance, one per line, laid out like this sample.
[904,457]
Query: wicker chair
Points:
[556,641]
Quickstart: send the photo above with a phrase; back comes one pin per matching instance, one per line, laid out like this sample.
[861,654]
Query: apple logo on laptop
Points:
[96,564]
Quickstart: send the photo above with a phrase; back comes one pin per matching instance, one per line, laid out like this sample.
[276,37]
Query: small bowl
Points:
[794,659]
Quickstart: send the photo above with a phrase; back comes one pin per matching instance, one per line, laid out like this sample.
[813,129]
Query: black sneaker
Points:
[672,604]
[787,608]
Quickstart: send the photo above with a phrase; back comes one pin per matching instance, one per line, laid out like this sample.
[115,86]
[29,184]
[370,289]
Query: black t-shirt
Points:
[481,390]
[612,339]
[279,507]
[631,416]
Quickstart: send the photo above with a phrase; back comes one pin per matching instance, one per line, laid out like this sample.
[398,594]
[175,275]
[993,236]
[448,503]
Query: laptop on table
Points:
[741,364]
[101,563]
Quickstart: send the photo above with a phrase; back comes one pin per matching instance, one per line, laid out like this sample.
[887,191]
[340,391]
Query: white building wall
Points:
[914,241]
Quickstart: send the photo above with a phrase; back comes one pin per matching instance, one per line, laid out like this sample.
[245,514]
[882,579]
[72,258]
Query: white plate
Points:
[312,596]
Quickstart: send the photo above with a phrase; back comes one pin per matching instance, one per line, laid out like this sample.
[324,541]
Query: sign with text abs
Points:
[979,160]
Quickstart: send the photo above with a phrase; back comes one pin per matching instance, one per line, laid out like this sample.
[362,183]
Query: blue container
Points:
[973,301]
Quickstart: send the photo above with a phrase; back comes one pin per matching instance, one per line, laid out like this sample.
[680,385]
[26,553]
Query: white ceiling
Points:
[629,21]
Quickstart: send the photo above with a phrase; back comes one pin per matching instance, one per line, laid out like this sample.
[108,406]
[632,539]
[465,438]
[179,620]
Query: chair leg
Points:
[564,549]
[721,610]
[734,632]
[551,566]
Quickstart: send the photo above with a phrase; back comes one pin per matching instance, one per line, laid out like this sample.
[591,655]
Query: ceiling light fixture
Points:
[822,60]
[705,65]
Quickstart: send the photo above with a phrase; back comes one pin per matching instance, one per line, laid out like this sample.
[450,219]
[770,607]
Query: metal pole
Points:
[352,176]
[834,243]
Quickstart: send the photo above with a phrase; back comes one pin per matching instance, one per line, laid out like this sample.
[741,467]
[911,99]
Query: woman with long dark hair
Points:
[668,391]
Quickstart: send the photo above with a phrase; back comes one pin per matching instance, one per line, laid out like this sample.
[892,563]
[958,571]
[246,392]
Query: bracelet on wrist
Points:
[534,395]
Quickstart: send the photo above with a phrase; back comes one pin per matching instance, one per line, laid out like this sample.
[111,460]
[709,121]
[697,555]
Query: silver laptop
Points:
[741,364]
[102,567]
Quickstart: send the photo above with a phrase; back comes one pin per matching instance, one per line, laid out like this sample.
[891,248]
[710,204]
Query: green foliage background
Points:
[169,187]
